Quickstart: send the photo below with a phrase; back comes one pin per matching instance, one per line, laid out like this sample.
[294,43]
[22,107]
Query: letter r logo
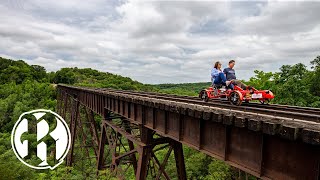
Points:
[60,135]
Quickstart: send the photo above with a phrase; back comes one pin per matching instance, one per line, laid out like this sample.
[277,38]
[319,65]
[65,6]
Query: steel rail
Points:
[301,114]
[251,104]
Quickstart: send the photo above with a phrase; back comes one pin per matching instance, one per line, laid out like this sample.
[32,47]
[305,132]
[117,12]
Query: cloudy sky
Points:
[160,41]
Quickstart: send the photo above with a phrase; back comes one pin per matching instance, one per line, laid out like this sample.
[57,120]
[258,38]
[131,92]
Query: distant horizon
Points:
[308,66]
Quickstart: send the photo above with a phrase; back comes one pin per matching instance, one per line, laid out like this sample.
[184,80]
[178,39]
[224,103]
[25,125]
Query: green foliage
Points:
[218,170]
[262,80]
[10,166]
[292,85]
[186,89]
[196,164]
[18,71]
[315,78]
[65,76]
[18,98]
[92,78]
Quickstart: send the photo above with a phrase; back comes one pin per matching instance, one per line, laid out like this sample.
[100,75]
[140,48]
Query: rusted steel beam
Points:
[161,140]
[93,129]
[129,153]
[162,166]
[73,123]
[83,135]
[59,101]
[145,154]
[160,148]
[179,157]
[261,157]
[100,163]
[131,146]
[93,126]
[65,104]
[124,133]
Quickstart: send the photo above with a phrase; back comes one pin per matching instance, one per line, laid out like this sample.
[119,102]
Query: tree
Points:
[316,63]
[315,78]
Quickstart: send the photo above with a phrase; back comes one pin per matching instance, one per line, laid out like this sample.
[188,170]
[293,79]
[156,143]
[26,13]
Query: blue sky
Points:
[160,41]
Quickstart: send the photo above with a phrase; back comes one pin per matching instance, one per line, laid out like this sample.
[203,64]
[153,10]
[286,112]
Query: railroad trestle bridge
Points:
[269,142]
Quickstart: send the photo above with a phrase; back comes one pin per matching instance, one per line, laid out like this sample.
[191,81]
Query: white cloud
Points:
[281,18]
[160,41]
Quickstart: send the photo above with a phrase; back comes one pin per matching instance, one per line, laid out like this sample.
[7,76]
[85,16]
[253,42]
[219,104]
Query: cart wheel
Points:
[204,96]
[265,101]
[234,99]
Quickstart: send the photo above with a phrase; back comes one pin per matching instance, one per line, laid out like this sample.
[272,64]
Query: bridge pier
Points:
[178,155]
[74,115]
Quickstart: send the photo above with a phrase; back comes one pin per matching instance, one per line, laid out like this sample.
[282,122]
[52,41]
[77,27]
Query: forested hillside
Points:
[93,78]
[188,89]
[26,87]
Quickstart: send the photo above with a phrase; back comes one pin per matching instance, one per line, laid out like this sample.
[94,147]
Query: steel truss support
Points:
[82,128]
[74,115]
[141,143]
[119,145]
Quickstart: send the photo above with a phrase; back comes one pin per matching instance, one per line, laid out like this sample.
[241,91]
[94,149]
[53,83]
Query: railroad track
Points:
[292,112]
